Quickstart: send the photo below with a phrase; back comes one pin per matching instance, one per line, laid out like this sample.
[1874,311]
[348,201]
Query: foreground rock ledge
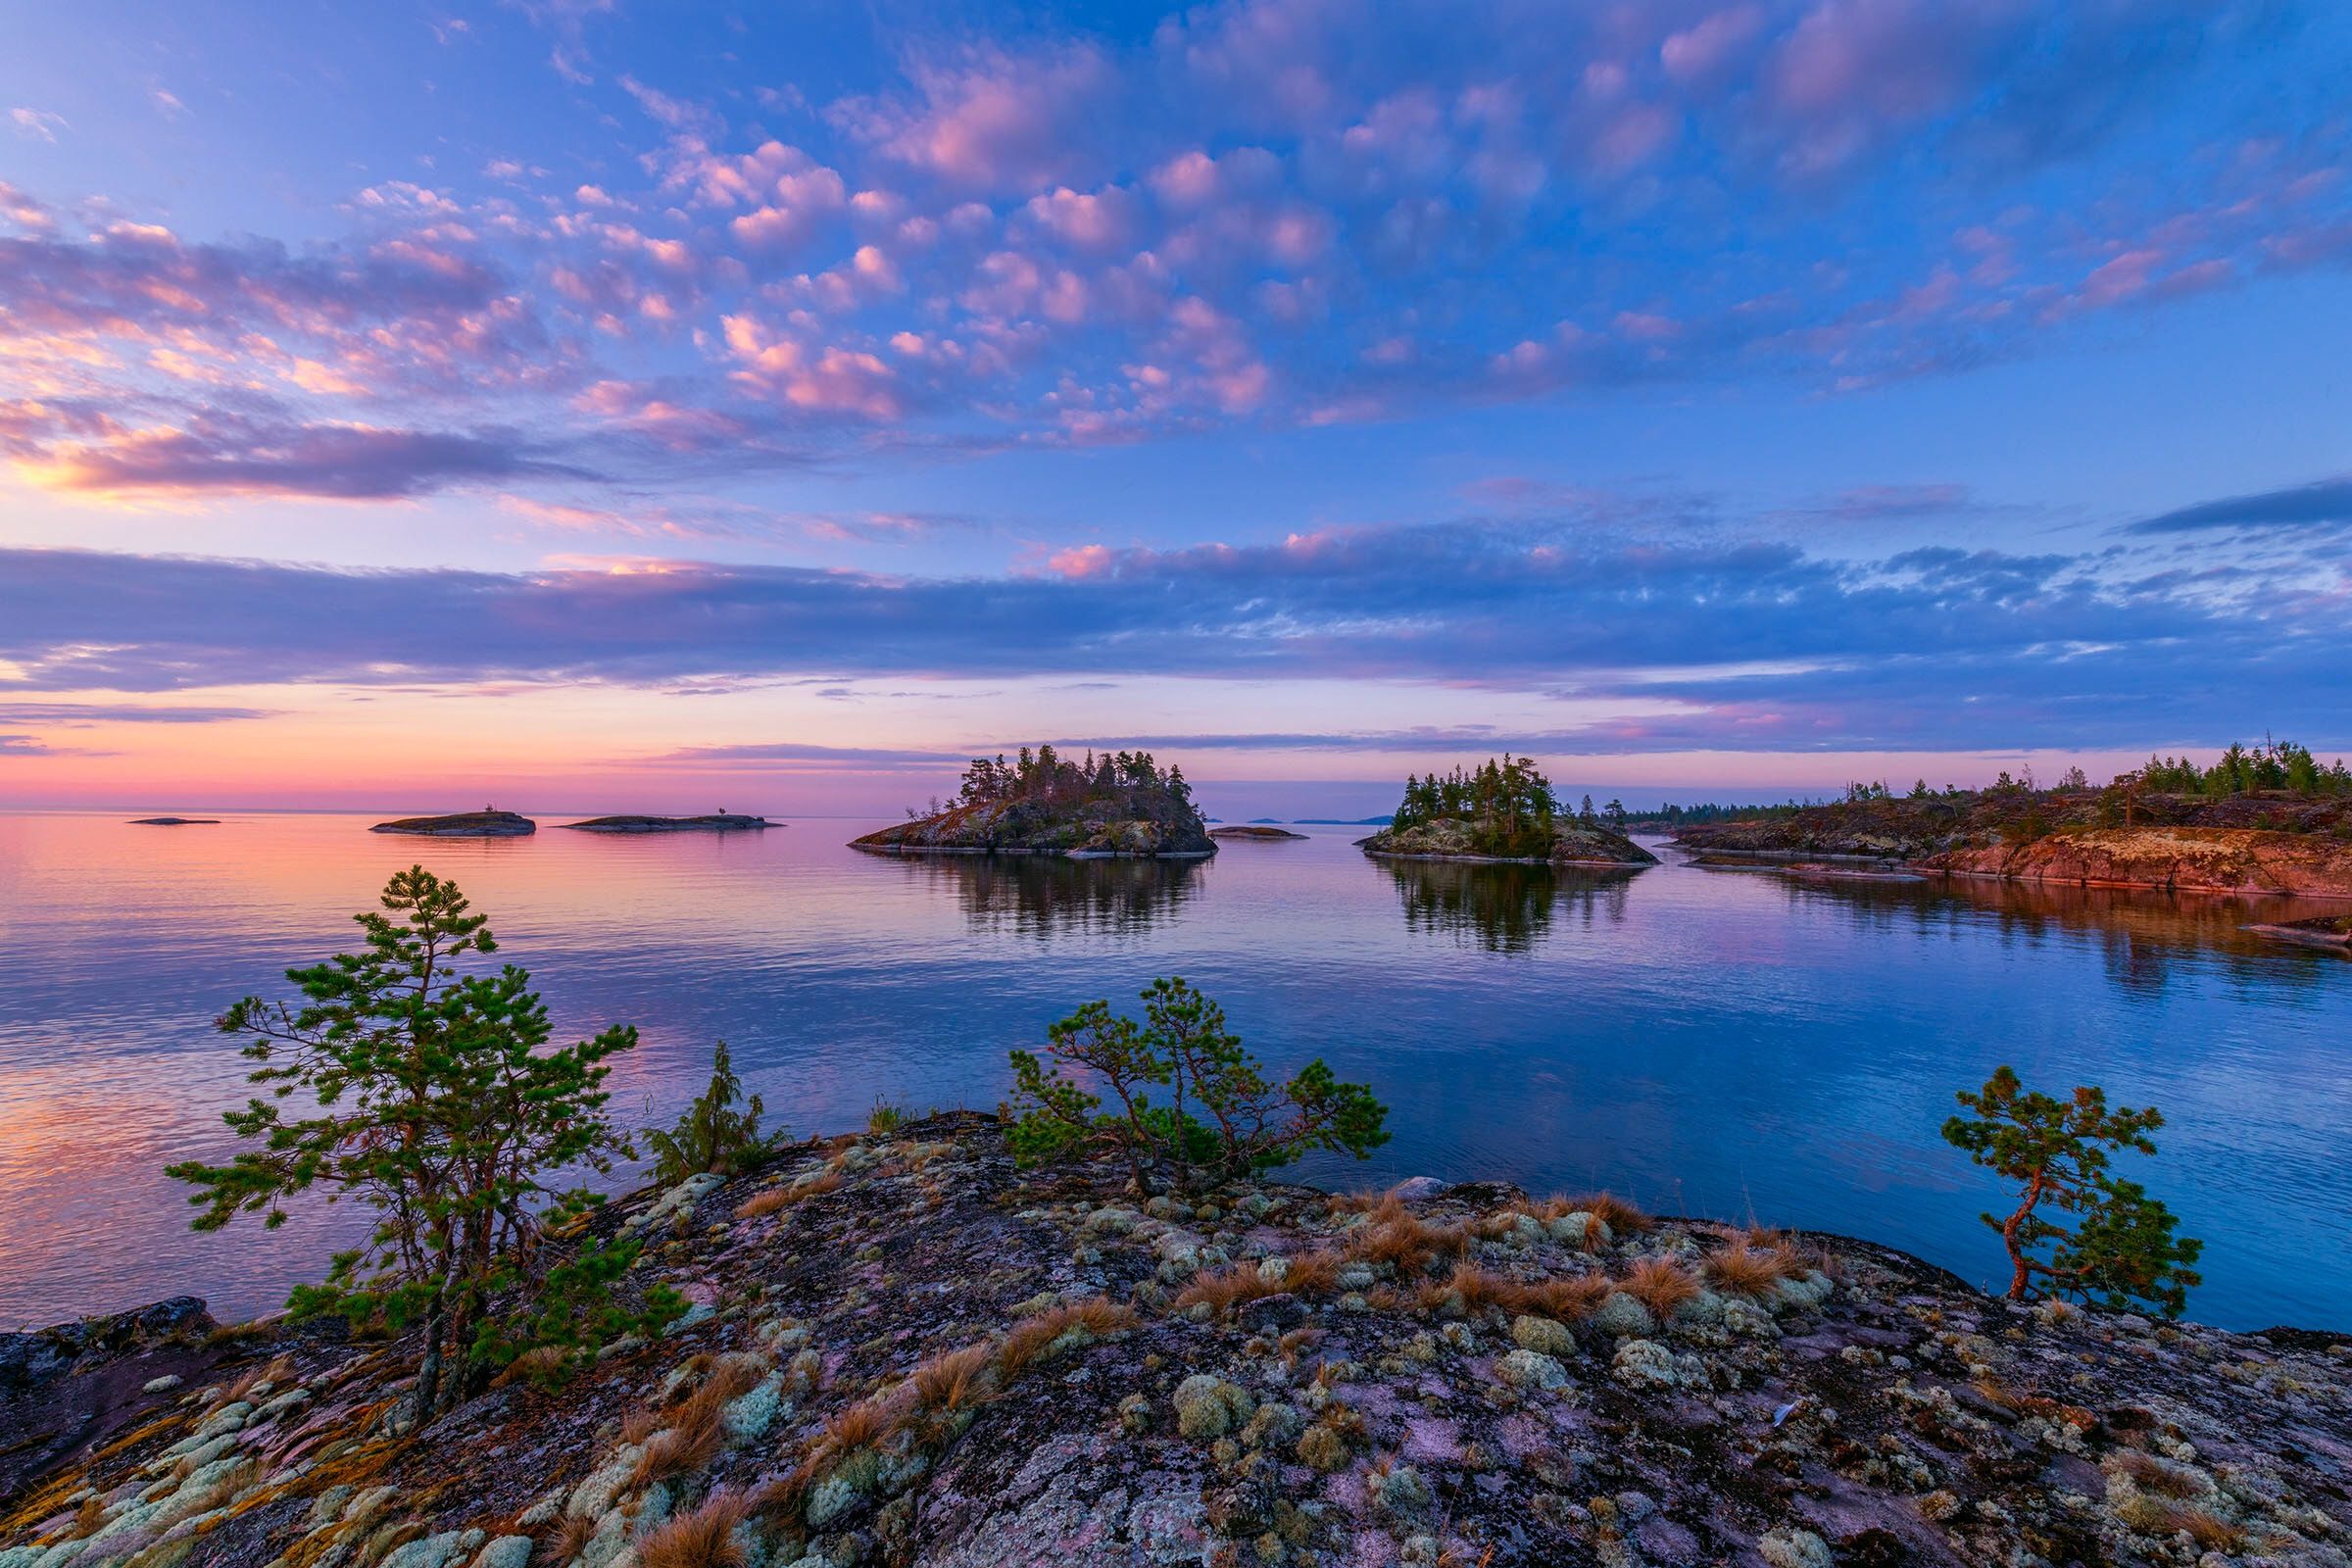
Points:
[1336,1410]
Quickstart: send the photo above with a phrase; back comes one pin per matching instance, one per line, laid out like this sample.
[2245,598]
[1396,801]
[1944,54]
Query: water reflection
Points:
[1047,895]
[2145,937]
[1501,908]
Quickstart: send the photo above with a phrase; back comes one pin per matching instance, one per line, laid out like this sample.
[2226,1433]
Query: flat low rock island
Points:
[483,824]
[708,822]
[906,1350]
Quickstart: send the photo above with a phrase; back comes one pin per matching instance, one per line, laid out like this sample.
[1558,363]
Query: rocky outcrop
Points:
[1915,829]
[174,822]
[1148,823]
[1574,841]
[483,824]
[904,1350]
[1254,831]
[711,822]
[2323,931]
[2181,859]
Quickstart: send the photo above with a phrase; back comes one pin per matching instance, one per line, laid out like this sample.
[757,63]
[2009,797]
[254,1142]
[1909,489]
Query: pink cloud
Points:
[993,120]
[1103,219]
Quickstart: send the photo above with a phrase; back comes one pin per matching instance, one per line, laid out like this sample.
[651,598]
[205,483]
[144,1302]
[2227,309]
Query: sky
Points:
[588,403]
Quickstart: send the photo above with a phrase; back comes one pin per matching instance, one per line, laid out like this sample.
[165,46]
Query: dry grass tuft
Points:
[703,1539]
[1226,1288]
[1315,1273]
[956,1379]
[697,1431]
[1028,1340]
[1395,1236]
[2209,1530]
[1744,1270]
[775,1199]
[1615,1212]
[2154,1474]
[1567,1299]
[1660,1283]
[572,1535]
[537,1362]
[863,1425]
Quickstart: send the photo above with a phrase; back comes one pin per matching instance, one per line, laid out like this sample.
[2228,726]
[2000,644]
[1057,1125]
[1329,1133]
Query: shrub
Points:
[710,1134]
[1222,1118]
[2122,1248]
[436,1105]
[885,1118]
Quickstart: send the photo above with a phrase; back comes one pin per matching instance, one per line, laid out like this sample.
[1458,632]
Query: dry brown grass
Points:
[775,1199]
[1315,1273]
[1225,1288]
[1660,1283]
[956,1379]
[2154,1474]
[1744,1270]
[1567,1299]
[1394,1235]
[1619,1216]
[1029,1339]
[703,1539]
[539,1362]
[697,1431]
[639,1425]
[2206,1530]
[863,1425]
[571,1538]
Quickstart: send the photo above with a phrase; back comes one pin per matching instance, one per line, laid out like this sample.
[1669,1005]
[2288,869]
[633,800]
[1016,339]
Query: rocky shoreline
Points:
[904,1350]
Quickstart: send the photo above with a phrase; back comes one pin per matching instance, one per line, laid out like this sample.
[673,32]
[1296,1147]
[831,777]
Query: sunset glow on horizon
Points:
[592,406]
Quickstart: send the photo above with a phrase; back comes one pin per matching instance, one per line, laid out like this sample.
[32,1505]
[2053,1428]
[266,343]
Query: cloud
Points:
[37,124]
[2322,503]
[82,714]
[1707,641]
[226,456]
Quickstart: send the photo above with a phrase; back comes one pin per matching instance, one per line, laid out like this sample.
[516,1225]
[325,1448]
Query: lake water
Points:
[1731,1043]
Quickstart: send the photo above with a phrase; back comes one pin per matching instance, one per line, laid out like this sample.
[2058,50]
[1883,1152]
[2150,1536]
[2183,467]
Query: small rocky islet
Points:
[174,822]
[905,1350]
[1253,833]
[708,822]
[1569,842]
[487,823]
[1112,805]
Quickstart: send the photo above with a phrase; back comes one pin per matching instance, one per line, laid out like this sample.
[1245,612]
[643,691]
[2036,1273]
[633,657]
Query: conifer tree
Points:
[427,1095]
[2124,1249]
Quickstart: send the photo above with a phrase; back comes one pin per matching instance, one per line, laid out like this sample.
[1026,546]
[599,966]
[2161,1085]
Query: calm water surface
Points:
[1731,1043]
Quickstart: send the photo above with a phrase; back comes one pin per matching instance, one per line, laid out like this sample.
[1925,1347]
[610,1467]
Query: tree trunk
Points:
[2021,1267]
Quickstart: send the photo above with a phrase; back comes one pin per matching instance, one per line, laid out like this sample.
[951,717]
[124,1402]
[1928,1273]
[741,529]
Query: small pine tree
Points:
[2124,1249]
[710,1134]
[1222,1117]
[436,1105]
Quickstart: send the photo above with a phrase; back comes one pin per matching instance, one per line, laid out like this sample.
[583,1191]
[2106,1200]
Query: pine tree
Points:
[2124,1249]
[436,1107]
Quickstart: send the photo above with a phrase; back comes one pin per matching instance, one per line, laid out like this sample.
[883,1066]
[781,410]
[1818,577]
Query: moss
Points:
[1622,1317]
[1531,1369]
[1323,1448]
[1208,1406]
[1545,1335]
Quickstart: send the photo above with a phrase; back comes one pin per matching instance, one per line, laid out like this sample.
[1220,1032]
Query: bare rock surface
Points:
[907,1351]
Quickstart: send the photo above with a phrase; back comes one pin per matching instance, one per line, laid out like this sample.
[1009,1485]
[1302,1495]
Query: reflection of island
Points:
[1500,908]
[1049,895]
[2143,933]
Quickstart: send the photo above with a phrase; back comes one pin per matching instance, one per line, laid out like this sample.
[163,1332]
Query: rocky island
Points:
[486,823]
[2264,822]
[1254,831]
[174,822]
[1500,811]
[1115,805]
[709,822]
[902,1349]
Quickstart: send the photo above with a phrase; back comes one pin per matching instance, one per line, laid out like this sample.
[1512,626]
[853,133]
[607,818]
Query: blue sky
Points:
[602,400]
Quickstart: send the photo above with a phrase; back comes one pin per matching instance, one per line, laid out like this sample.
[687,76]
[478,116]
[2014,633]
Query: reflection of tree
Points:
[1041,895]
[2142,933]
[1503,908]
